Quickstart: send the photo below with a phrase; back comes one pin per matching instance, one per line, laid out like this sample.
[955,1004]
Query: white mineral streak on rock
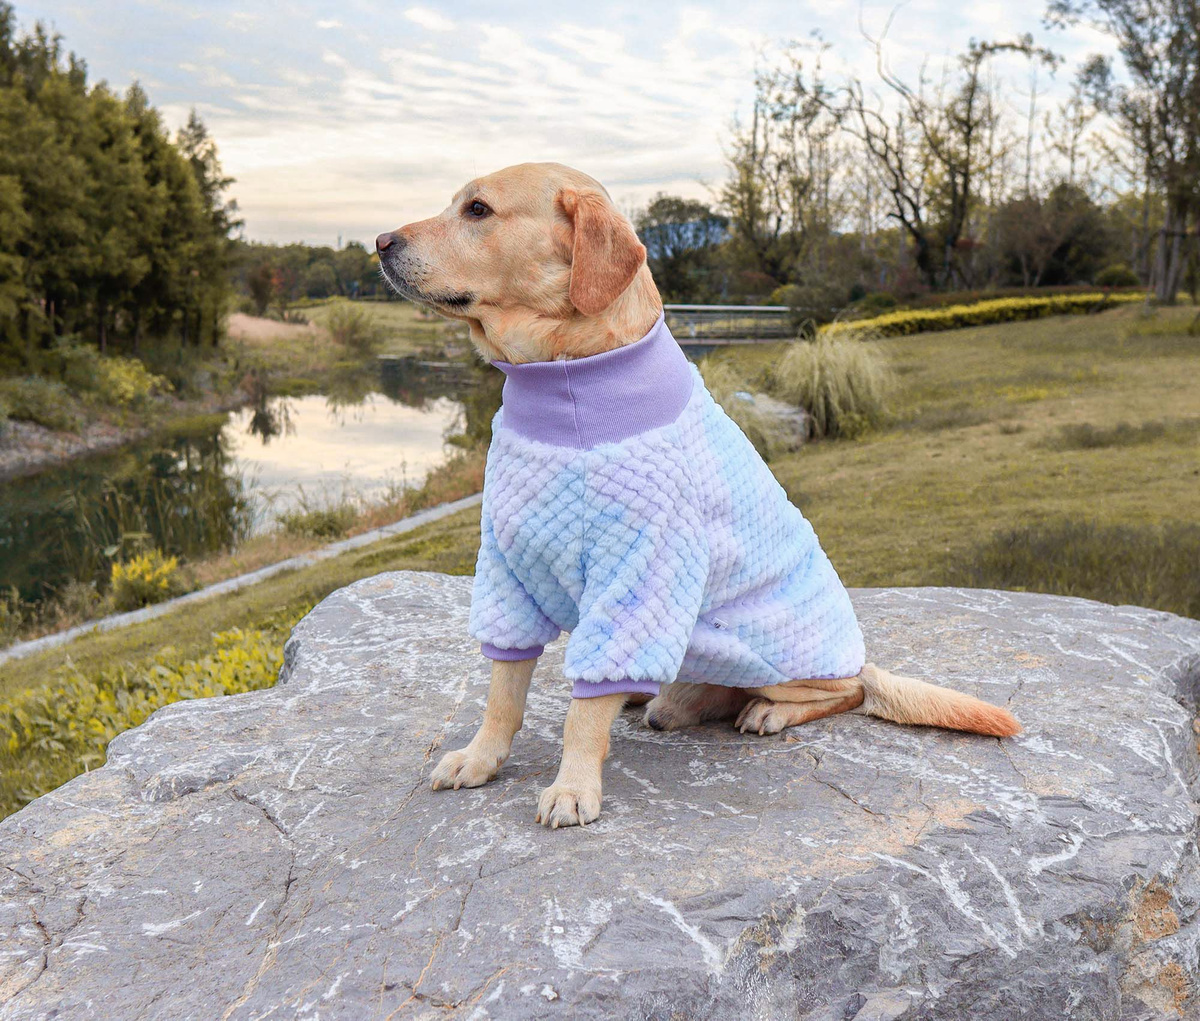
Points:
[280,853]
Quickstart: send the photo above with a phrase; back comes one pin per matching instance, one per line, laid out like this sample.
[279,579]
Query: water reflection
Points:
[181,493]
[205,488]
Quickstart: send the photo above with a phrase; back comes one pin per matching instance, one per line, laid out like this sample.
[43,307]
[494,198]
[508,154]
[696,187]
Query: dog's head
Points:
[535,258]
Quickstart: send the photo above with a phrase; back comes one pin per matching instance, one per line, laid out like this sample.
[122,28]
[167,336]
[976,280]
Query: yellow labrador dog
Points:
[540,265]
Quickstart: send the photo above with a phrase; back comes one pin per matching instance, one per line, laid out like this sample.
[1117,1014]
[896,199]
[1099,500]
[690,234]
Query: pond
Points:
[205,487]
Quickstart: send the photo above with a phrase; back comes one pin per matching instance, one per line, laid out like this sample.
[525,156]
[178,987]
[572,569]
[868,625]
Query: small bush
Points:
[769,434]
[115,380]
[322,523]
[354,328]
[874,304]
[1084,436]
[42,401]
[983,313]
[840,381]
[145,579]
[1142,565]
[1117,275]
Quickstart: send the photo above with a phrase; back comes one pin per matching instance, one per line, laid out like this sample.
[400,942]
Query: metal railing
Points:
[713,325]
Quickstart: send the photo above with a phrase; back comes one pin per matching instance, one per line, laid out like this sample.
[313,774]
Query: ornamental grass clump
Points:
[146,578]
[842,382]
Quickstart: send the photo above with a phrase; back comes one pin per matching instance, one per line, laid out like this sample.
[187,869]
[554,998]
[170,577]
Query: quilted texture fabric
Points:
[671,555]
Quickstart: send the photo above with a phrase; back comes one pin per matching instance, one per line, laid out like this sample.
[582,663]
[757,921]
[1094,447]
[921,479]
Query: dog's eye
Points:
[477,209]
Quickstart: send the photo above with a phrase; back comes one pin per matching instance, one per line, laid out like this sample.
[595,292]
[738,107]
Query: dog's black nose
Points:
[386,240]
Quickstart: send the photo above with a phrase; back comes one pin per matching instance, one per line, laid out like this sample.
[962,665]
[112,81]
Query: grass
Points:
[1085,436]
[340,337]
[1142,565]
[976,446]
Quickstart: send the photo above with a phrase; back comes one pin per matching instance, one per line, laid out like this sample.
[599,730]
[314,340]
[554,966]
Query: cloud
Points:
[357,130]
[431,20]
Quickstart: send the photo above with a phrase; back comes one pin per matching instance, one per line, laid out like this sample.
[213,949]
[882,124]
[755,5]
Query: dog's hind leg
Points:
[772,709]
[479,762]
[684,705]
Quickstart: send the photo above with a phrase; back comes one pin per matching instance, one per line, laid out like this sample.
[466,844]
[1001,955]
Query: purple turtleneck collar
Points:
[604,398]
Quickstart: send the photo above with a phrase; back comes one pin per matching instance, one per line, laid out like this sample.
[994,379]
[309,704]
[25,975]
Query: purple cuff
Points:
[594,689]
[510,655]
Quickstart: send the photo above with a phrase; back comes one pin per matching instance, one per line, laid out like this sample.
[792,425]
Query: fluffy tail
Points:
[906,700]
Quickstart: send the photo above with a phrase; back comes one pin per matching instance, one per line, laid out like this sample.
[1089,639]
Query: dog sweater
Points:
[622,505]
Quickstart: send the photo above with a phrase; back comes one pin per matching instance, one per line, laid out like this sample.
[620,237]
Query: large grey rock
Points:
[280,853]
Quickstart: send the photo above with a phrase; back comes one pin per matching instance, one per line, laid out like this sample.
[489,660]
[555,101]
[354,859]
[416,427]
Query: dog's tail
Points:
[907,700]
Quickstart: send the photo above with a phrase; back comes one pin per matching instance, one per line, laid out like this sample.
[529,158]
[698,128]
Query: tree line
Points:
[840,187]
[273,276]
[111,231]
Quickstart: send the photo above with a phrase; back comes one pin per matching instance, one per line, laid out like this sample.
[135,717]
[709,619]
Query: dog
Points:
[622,505]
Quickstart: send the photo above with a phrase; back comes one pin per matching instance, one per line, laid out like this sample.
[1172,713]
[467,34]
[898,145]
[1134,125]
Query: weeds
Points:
[1085,436]
[1143,565]
[840,381]
[320,523]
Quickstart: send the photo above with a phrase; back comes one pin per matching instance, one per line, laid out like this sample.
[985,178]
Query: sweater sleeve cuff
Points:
[510,655]
[594,689]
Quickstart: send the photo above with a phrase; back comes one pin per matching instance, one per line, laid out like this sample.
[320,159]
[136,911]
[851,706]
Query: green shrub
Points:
[50,734]
[42,401]
[144,579]
[840,381]
[1144,565]
[115,380]
[983,313]
[354,328]
[320,523]
[874,304]
[769,434]
[1117,275]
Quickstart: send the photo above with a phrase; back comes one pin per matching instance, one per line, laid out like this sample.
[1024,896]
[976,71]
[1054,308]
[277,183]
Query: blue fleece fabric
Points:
[671,555]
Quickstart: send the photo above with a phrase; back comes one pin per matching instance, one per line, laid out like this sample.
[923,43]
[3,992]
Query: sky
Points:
[341,120]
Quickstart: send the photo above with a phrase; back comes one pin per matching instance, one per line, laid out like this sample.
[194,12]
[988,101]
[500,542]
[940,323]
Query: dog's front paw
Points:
[573,804]
[464,769]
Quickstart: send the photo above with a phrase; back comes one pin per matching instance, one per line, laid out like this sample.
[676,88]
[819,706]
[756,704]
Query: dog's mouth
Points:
[448,302]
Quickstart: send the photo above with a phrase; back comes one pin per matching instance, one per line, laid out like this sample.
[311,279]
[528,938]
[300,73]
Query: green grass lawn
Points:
[407,328]
[984,439]
[1060,455]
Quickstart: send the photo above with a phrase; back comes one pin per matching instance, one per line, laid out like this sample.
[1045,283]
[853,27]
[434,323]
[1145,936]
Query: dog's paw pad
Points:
[567,805]
[459,769]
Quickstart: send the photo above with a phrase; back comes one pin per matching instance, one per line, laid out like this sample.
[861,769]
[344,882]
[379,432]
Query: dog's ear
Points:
[605,252]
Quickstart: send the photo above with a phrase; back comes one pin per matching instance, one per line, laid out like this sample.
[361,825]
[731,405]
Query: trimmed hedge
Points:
[50,734]
[983,313]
